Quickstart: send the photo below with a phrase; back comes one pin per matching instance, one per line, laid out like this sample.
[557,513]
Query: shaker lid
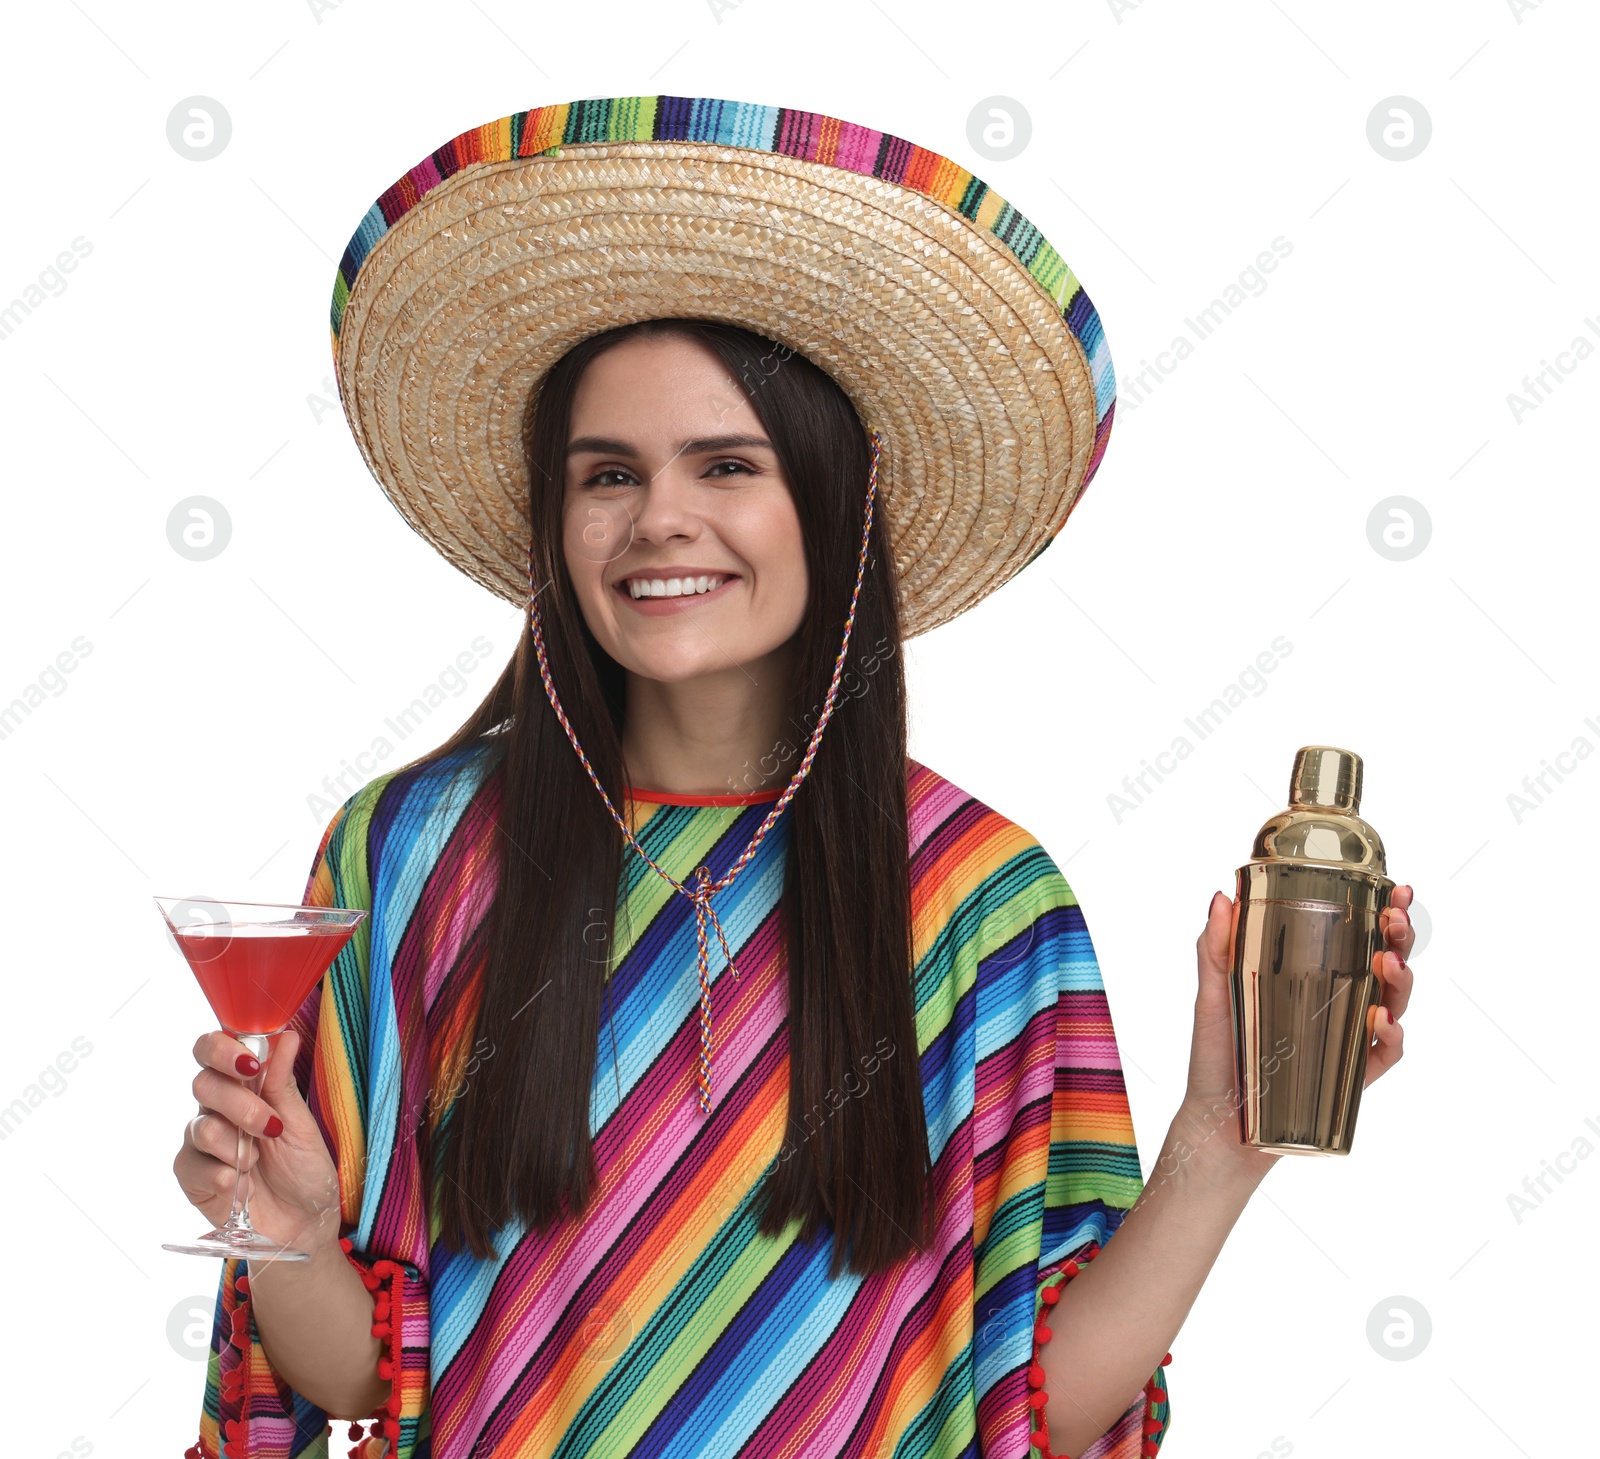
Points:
[1325,775]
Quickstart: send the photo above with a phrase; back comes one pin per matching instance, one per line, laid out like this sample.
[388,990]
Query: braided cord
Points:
[705,887]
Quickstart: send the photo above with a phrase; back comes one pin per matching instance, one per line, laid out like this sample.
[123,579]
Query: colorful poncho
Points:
[736,1344]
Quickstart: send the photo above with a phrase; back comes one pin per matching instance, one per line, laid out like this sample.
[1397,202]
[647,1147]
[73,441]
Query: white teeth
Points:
[673,587]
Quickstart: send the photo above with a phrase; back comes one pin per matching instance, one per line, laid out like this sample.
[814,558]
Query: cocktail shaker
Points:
[1310,900]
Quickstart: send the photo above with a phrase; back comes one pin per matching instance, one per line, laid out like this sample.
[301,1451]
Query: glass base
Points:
[251,1245]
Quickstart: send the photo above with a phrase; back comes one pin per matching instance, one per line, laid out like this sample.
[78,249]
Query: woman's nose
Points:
[667,505]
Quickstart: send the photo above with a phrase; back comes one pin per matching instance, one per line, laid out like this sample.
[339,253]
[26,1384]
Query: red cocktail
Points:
[255,962]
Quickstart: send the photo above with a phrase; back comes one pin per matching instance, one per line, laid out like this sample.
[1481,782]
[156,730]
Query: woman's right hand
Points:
[291,1180]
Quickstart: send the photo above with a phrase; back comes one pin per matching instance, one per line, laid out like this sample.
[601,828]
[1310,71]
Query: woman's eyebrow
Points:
[698,446]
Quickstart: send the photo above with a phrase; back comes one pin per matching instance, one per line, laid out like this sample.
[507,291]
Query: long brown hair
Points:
[517,1138]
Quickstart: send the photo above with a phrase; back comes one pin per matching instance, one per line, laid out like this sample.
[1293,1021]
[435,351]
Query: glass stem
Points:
[260,1045]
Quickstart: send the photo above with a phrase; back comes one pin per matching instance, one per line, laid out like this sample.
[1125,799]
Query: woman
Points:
[842,1222]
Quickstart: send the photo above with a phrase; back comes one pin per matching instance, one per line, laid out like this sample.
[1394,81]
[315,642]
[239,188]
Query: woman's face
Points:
[678,527]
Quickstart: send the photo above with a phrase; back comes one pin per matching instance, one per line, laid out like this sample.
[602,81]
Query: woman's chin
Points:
[685,655]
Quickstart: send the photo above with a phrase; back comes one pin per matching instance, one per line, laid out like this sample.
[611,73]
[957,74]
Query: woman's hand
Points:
[1210,1106]
[290,1178]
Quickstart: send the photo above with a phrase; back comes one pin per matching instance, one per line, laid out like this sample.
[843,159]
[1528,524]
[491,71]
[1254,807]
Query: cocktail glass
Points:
[255,962]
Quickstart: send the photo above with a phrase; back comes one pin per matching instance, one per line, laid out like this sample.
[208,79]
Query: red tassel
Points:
[1035,1376]
[1166,1360]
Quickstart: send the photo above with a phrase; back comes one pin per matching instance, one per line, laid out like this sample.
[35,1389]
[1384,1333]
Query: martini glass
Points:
[256,962]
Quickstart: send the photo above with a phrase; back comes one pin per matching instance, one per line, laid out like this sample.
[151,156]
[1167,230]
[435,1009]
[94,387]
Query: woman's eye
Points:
[596,480]
[740,465]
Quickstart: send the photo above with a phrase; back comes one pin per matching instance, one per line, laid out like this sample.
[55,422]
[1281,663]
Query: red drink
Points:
[255,975]
[256,962]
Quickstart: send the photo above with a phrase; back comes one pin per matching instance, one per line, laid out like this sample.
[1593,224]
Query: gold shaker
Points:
[1310,899]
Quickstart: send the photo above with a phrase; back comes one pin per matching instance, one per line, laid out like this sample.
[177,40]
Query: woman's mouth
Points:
[654,594]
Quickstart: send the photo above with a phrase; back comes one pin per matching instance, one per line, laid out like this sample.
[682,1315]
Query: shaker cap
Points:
[1325,775]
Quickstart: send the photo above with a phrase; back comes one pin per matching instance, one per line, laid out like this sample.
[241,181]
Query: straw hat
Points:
[955,328]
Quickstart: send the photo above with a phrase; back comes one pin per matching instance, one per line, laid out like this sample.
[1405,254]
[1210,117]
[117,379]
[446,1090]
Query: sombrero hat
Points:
[956,329]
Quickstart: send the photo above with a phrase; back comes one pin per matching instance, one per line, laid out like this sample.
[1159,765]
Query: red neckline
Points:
[668,797]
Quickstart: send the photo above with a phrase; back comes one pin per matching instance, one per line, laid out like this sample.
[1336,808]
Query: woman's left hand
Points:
[1211,1064]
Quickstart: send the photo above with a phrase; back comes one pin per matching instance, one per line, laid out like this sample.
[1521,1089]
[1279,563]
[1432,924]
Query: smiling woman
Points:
[710,1076]
[631,430]
[670,459]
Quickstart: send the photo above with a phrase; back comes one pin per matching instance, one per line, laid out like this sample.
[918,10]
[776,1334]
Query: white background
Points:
[1170,145]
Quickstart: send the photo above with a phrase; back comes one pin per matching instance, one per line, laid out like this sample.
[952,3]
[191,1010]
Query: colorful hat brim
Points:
[956,329]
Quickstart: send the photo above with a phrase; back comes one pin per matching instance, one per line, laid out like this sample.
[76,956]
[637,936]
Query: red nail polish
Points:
[274,1128]
[248,1065]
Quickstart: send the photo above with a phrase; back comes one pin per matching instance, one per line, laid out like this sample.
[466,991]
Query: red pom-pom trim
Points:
[387,1306]
[1039,1438]
[386,1280]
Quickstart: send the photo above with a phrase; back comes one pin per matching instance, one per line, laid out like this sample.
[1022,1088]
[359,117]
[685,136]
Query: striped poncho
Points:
[731,1343]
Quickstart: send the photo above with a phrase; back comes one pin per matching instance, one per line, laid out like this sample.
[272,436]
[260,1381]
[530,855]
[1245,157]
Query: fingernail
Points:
[247,1064]
[274,1128]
